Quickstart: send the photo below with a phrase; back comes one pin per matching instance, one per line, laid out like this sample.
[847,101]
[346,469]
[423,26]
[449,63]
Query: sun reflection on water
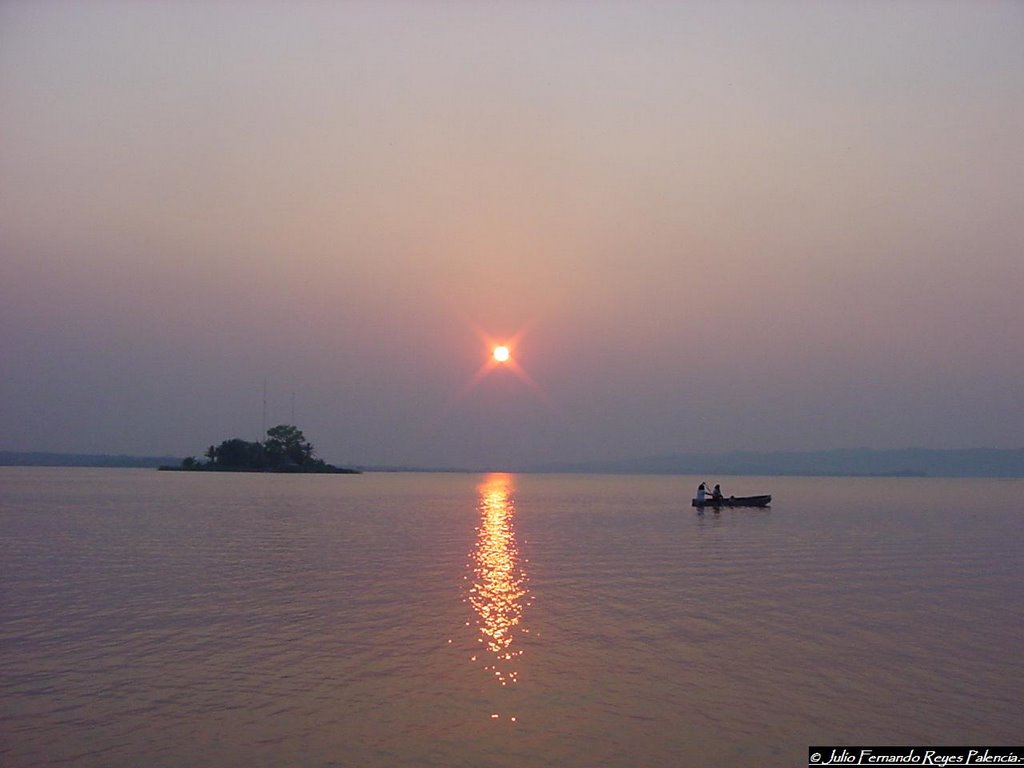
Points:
[498,592]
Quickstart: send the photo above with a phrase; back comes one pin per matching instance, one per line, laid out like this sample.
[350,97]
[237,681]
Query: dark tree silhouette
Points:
[237,453]
[285,450]
[286,444]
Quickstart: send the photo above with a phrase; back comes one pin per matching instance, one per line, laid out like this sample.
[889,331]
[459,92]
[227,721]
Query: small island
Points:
[284,450]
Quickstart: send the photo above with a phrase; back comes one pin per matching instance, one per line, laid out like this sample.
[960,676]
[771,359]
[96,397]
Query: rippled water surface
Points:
[171,619]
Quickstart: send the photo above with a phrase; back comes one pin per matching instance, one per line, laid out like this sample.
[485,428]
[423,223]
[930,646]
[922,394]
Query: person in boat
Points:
[701,493]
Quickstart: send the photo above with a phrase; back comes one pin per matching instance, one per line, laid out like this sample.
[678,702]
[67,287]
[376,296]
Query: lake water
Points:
[172,619]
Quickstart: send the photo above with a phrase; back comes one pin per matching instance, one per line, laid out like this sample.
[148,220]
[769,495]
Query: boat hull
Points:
[735,501]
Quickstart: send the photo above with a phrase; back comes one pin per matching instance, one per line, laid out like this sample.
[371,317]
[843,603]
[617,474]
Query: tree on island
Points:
[286,443]
[236,453]
[285,450]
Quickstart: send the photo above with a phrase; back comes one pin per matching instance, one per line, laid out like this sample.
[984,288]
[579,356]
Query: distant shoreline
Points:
[846,462]
[860,462]
[53,459]
[124,461]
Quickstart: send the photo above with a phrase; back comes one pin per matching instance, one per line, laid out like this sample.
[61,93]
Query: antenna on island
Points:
[264,433]
[293,408]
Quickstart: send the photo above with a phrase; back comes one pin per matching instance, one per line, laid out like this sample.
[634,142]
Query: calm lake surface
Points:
[173,619]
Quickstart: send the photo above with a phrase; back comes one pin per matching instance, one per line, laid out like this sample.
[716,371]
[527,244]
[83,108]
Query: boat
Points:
[735,501]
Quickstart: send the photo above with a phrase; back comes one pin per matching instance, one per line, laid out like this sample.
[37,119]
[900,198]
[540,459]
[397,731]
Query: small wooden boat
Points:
[735,501]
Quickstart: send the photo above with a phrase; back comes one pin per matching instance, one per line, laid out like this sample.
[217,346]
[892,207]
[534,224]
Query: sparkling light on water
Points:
[499,589]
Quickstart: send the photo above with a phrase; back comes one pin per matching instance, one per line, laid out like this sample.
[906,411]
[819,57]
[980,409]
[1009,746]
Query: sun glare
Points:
[500,360]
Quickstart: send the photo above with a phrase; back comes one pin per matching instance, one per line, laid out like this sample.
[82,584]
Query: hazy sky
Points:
[708,226]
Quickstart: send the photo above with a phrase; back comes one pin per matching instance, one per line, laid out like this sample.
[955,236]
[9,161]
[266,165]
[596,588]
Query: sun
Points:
[500,360]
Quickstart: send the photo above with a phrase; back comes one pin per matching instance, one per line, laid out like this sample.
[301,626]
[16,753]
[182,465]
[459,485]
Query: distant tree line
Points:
[285,450]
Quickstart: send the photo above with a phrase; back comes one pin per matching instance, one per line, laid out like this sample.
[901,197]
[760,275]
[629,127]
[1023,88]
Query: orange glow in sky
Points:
[500,356]
[564,179]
